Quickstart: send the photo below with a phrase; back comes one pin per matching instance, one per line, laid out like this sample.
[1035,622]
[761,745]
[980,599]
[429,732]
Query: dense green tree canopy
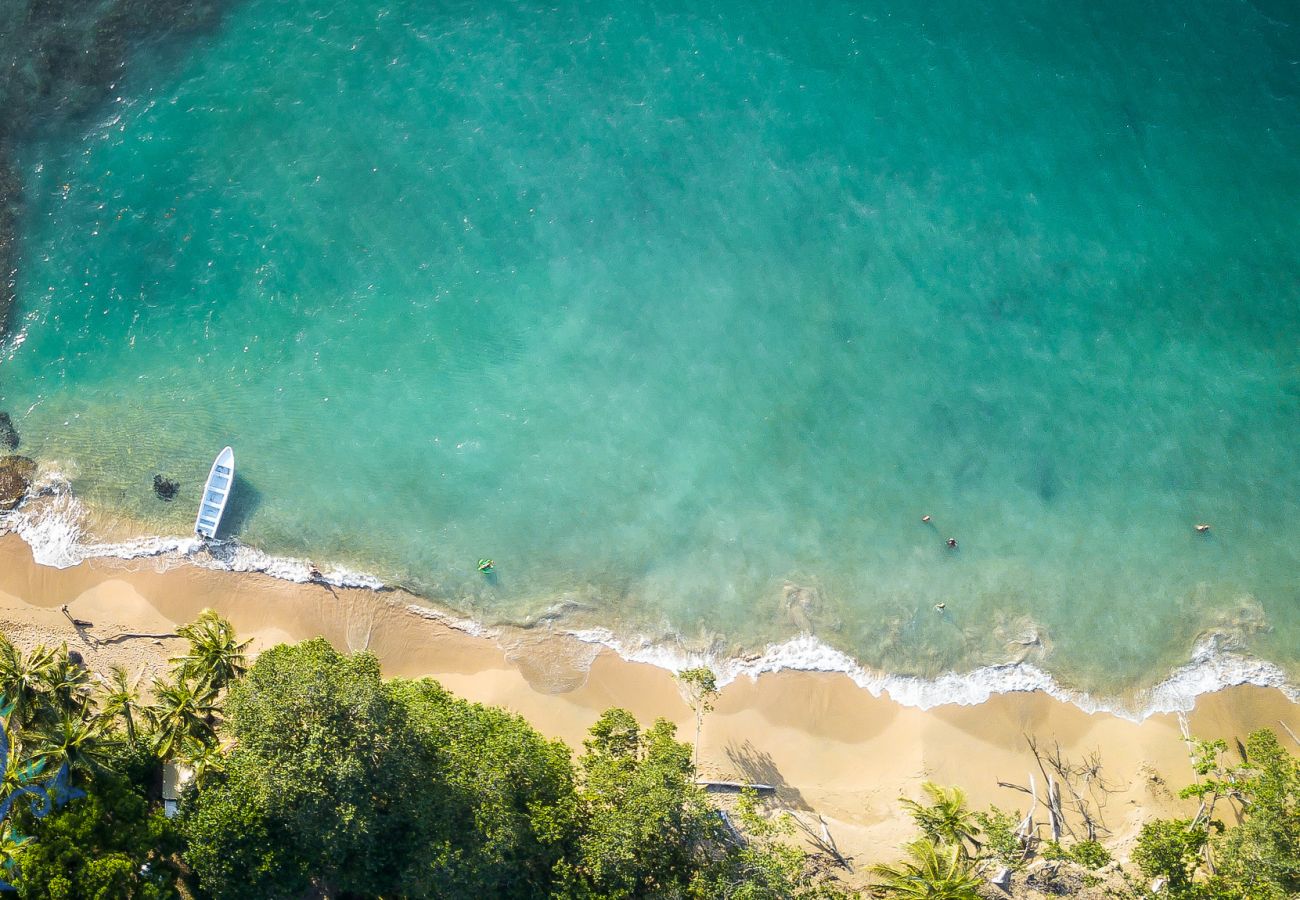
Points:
[645,822]
[314,791]
[340,781]
[110,844]
[507,796]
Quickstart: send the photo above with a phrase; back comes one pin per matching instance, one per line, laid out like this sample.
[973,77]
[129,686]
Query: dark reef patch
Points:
[58,60]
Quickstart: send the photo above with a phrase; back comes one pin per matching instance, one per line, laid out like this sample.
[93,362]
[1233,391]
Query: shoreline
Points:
[54,523]
[831,748]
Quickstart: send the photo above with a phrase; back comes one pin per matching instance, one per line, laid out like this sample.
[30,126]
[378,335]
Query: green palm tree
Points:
[75,740]
[67,684]
[946,820]
[204,760]
[23,681]
[183,710]
[215,657]
[11,844]
[931,871]
[19,770]
[121,698]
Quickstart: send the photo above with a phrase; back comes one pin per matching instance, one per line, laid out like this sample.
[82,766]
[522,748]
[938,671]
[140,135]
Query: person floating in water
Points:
[952,543]
[485,565]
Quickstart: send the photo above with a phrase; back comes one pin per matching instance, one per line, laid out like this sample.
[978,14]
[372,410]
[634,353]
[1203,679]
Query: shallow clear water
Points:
[670,308]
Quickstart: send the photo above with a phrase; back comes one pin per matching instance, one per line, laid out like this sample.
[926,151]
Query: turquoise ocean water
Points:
[686,312]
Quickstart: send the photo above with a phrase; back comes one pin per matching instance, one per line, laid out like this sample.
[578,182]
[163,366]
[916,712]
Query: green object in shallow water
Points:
[485,566]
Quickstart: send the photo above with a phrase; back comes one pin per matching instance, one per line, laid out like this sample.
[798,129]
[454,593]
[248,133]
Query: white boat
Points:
[215,493]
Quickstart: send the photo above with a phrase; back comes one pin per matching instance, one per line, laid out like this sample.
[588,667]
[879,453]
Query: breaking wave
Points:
[50,522]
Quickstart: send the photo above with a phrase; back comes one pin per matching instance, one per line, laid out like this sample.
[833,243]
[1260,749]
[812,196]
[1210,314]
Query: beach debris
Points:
[824,842]
[485,565]
[165,488]
[76,623]
[737,837]
[82,627]
[8,434]
[735,787]
[952,543]
[16,474]
[1202,528]
[1074,786]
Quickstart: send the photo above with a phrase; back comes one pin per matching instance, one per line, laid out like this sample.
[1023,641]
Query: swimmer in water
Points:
[952,543]
[940,607]
[925,519]
[1202,528]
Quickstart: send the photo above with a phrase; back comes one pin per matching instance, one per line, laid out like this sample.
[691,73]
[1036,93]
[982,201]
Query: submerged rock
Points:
[165,488]
[8,433]
[16,474]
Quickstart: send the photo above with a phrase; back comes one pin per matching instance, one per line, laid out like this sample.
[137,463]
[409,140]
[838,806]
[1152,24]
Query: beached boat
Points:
[215,493]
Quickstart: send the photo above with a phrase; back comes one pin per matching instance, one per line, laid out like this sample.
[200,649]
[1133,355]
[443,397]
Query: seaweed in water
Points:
[165,488]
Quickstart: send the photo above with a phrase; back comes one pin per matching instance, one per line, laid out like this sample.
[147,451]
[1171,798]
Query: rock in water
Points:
[16,474]
[165,488]
[8,433]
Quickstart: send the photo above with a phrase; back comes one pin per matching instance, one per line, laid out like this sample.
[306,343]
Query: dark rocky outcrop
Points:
[165,488]
[8,433]
[16,474]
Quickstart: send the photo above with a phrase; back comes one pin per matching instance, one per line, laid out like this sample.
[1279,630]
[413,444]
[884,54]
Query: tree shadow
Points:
[757,767]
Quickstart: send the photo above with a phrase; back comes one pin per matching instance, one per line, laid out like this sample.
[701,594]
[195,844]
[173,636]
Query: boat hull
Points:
[216,492]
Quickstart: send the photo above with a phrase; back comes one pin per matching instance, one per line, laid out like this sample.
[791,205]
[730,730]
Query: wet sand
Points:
[829,746]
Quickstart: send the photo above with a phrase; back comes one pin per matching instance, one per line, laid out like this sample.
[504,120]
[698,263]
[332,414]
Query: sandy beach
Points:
[830,747]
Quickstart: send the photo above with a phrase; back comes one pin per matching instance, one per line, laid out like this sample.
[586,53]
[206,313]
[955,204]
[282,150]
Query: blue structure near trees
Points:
[47,792]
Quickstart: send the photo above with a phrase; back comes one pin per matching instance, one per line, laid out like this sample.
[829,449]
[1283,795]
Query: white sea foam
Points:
[50,522]
[1211,668]
[471,627]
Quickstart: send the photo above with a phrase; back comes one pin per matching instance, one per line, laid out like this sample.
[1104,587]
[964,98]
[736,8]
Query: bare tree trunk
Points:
[699,726]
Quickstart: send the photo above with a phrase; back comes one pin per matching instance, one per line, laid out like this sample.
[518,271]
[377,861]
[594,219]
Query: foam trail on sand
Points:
[50,522]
